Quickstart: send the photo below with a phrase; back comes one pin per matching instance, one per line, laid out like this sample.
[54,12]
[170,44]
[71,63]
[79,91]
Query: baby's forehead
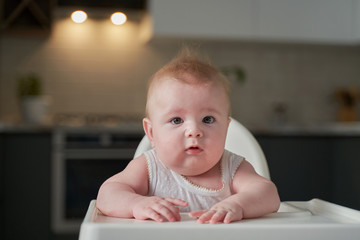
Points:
[169,83]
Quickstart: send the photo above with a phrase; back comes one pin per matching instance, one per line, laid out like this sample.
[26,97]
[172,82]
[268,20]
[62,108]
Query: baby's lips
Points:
[193,149]
[194,146]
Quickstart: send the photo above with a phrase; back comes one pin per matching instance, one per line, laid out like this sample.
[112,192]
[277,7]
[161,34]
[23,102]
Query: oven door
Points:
[79,171]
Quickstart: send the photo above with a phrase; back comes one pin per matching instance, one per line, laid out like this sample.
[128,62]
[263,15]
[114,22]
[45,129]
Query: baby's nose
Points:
[193,131]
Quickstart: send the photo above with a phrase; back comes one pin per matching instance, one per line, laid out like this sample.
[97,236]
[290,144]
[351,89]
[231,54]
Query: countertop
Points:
[29,128]
[325,129]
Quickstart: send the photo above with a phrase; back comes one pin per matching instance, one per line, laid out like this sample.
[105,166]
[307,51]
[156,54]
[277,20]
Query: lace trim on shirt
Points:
[149,167]
[236,167]
[205,188]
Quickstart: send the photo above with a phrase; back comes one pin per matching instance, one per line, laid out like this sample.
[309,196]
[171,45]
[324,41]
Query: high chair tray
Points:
[315,219]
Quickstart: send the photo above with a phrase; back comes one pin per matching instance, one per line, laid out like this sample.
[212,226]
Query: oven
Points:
[83,158]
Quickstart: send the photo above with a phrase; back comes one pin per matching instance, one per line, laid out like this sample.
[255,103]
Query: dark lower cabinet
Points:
[25,186]
[346,172]
[306,167]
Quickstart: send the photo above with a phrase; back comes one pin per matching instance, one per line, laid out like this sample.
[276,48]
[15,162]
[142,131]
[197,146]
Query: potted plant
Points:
[236,73]
[348,99]
[33,103]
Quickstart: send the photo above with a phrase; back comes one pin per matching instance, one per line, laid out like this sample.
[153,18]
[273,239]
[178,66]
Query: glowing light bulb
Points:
[118,18]
[79,16]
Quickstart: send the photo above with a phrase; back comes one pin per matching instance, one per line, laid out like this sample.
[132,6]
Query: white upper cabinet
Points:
[305,20]
[356,24]
[322,21]
[202,18]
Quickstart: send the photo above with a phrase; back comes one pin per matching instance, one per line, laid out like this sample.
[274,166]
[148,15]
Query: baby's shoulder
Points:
[137,165]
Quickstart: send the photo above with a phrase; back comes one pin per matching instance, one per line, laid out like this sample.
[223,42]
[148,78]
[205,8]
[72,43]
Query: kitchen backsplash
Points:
[100,68]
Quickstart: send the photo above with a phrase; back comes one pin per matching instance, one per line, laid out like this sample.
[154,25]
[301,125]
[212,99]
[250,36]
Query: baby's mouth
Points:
[193,150]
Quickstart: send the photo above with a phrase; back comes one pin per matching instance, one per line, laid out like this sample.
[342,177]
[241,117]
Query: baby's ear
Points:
[148,130]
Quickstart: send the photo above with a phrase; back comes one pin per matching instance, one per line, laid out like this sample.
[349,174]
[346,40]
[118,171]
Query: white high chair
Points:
[239,140]
[314,219]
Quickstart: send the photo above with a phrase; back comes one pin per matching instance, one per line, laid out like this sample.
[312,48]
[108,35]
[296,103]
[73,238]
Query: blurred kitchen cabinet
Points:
[315,21]
[305,167]
[25,185]
[202,18]
[298,166]
[305,21]
[26,17]
[346,171]
[357,20]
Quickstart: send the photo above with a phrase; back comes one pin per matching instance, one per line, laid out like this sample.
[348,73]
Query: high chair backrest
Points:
[239,140]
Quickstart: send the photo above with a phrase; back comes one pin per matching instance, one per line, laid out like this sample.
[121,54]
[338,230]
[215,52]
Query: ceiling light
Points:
[79,16]
[118,18]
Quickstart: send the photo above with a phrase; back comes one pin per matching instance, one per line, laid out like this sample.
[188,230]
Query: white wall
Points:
[97,67]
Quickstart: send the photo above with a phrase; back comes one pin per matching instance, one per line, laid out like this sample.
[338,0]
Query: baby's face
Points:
[188,125]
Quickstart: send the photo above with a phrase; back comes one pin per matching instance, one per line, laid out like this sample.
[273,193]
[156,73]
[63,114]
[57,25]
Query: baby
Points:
[188,169]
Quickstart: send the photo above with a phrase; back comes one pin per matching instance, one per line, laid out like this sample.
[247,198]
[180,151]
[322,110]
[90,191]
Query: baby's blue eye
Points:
[176,120]
[208,119]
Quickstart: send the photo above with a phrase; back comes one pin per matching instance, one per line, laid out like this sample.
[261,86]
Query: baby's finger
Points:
[151,214]
[177,202]
[173,208]
[168,211]
[206,216]
[229,217]
[218,217]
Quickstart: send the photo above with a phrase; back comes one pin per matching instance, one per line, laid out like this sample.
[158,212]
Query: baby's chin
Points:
[191,172]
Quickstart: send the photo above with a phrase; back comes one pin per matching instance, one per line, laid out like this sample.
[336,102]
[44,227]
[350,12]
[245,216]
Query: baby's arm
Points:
[254,196]
[124,195]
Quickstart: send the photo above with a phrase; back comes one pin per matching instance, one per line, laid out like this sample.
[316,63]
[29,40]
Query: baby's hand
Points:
[158,209]
[222,212]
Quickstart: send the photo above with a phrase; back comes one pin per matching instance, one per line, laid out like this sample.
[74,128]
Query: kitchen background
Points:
[97,67]
[298,57]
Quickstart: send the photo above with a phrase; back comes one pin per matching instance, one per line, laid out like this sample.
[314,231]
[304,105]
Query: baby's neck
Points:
[211,179]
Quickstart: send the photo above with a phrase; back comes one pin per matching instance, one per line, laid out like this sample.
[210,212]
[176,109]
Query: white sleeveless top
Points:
[164,182]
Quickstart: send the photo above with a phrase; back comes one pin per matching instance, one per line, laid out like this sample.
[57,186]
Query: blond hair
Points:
[188,68]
